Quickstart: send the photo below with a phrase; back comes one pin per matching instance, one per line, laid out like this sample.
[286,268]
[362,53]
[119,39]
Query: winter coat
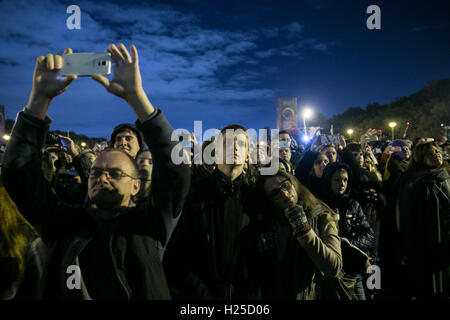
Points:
[423,219]
[280,266]
[353,223]
[124,253]
[204,242]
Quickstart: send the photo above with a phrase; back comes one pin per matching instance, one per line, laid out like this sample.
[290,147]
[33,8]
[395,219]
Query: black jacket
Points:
[136,237]
[204,242]
[304,172]
[423,219]
[353,223]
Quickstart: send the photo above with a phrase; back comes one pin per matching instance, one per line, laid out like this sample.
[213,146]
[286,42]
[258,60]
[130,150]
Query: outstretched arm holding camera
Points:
[22,157]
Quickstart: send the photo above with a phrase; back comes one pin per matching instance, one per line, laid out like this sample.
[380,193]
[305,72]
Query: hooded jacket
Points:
[353,223]
[130,246]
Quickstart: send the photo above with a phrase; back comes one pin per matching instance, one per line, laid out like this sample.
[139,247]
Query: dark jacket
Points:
[423,218]
[204,242]
[136,236]
[353,223]
[26,287]
[305,174]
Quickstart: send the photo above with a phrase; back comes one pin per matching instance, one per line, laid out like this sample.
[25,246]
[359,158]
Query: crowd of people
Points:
[138,226]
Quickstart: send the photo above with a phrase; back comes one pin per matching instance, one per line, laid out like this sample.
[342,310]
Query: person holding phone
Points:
[116,246]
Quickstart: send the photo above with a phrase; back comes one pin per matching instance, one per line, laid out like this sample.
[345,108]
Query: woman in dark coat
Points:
[423,219]
[353,224]
[310,170]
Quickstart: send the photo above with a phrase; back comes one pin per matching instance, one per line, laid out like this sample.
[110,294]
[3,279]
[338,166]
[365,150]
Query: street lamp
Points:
[306,113]
[392,125]
[350,132]
[6,137]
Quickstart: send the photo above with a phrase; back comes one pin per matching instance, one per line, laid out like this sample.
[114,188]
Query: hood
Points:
[328,172]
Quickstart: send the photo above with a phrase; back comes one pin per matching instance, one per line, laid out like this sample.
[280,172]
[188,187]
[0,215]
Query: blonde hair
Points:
[15,231]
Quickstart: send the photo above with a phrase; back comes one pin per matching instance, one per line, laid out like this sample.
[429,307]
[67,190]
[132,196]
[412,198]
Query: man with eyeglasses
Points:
[111,249]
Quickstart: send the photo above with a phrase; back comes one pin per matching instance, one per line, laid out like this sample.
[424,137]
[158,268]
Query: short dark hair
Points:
[133,162]
[124,127]
[284,132]
[354,147]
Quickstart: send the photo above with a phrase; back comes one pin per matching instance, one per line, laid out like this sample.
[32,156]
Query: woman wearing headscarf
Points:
[423,220]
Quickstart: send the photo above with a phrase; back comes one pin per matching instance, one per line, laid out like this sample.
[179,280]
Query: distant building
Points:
[287,115]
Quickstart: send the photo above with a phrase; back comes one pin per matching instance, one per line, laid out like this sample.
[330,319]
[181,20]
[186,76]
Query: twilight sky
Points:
[228,61]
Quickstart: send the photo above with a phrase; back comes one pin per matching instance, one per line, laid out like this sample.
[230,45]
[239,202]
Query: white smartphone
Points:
[86,64]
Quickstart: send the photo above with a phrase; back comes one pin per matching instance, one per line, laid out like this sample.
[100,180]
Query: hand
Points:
[126,81]
[390,150]
[47,84]
[342,143]
[298,220]
[192,138]
[72,149]
[294,143]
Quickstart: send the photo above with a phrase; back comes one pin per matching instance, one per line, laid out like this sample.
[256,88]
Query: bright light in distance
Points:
[350,131]
[307,113]
[83,144]
[305,138]
[6,137]
[392,124]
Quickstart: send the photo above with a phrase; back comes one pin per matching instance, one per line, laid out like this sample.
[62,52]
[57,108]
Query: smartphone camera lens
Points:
[104,63]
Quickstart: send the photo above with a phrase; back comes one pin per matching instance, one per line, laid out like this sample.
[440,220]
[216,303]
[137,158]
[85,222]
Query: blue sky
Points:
[228,61]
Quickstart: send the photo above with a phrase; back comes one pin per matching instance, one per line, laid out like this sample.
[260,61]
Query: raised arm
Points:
[22,165]
[170,183]
[324,249]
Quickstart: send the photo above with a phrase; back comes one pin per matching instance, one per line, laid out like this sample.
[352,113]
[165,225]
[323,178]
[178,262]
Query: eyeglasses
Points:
[115,174]
[275,194]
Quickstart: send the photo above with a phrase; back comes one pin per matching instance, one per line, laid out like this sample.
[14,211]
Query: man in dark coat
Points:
[205,241]
[111,249]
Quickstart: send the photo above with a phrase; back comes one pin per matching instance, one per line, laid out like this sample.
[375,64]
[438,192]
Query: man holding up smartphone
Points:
[117,246]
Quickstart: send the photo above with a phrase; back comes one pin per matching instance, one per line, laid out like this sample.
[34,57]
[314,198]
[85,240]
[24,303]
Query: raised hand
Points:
[72,149]
[127,80]
[47,84]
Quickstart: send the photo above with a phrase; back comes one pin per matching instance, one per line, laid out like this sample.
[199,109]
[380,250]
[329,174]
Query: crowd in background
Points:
[140,227]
